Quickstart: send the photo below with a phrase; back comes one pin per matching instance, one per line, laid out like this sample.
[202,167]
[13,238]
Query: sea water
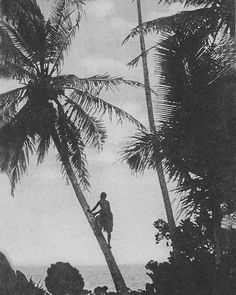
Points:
[135,276]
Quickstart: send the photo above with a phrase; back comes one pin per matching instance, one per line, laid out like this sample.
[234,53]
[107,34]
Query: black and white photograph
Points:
[117,147]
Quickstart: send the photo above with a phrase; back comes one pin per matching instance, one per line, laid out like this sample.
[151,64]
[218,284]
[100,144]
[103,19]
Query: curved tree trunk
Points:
[159,167]
[112,265]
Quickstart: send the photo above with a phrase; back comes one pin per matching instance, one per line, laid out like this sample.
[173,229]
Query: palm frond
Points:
[19,161]
[61,31]
[189,21]
[70,146]
[8,103]
[16,10]
[96,83]
[15,148]
[142,152]
[134,62]
[95,105]
[197,88]
[14,95]
[60,14]
[16,45]
[43,147]
[92,131]
[185,66]
[189,2]
[12,63]
[13,71]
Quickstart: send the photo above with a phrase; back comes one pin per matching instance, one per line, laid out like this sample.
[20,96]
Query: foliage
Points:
[209,16]
[192,271]
[196,110]
[100,290]
[49,107]
[32,289]
[194,238]
[162,231]
[197,138]
[63,279]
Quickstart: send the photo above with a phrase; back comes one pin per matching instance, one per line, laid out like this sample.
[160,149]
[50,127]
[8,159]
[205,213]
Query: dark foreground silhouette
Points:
[62,279]
[178,276]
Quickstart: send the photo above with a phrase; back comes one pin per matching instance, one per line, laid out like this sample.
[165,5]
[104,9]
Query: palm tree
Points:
[196,136]
[51,108]
[159,168]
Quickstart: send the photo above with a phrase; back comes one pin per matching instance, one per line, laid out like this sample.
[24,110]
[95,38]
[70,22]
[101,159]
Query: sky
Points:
[44,222]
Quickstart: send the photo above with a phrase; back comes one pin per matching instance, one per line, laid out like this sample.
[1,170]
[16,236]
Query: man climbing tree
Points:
[105,217]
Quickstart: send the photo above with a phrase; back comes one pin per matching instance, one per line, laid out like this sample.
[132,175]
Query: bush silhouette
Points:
[64,279]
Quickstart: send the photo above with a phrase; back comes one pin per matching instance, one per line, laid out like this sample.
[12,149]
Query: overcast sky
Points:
[44,222]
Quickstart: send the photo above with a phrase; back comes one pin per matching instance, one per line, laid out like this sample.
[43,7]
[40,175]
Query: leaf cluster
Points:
[195,113]
[49,107]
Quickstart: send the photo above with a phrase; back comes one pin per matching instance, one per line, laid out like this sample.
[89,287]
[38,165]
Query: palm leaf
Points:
[187,21]
[15,42]
[183,64]
[189,2]
[62,30]
[15,148]
[198,90]
[95,84]
[19,161]
[16,10]
[134,62]
[43,147]
[68,137]
[92,130]
[12,96]
[13,71]
[142,152]
[95,105]
[60,15]
[8,103]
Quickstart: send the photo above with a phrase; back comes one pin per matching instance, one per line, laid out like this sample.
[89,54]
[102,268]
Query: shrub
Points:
[63,279]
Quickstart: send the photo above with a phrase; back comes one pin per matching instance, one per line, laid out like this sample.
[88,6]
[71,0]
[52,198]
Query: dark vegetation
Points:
[195,137]
[62,279]
[193,270]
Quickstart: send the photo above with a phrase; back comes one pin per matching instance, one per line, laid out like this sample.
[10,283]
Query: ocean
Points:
[96,275]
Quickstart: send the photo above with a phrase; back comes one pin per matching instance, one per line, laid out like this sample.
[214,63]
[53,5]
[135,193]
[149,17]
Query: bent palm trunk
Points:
[112,265]
[159,167]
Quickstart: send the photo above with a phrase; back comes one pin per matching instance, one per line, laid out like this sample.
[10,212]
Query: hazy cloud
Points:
[100,8]
[163,11]
[121,24]
[94,64]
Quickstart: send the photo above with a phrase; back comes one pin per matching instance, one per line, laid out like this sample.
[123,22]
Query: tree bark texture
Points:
[233,19]
[216,215]
[112,265]
[159,167]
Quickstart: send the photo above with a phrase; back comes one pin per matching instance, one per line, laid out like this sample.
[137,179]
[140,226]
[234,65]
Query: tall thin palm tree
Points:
[51,108]
[159,168]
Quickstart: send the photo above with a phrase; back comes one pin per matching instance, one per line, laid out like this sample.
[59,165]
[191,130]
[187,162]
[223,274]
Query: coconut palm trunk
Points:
[233,19]
[159,167]
[112,265]
[217,222]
